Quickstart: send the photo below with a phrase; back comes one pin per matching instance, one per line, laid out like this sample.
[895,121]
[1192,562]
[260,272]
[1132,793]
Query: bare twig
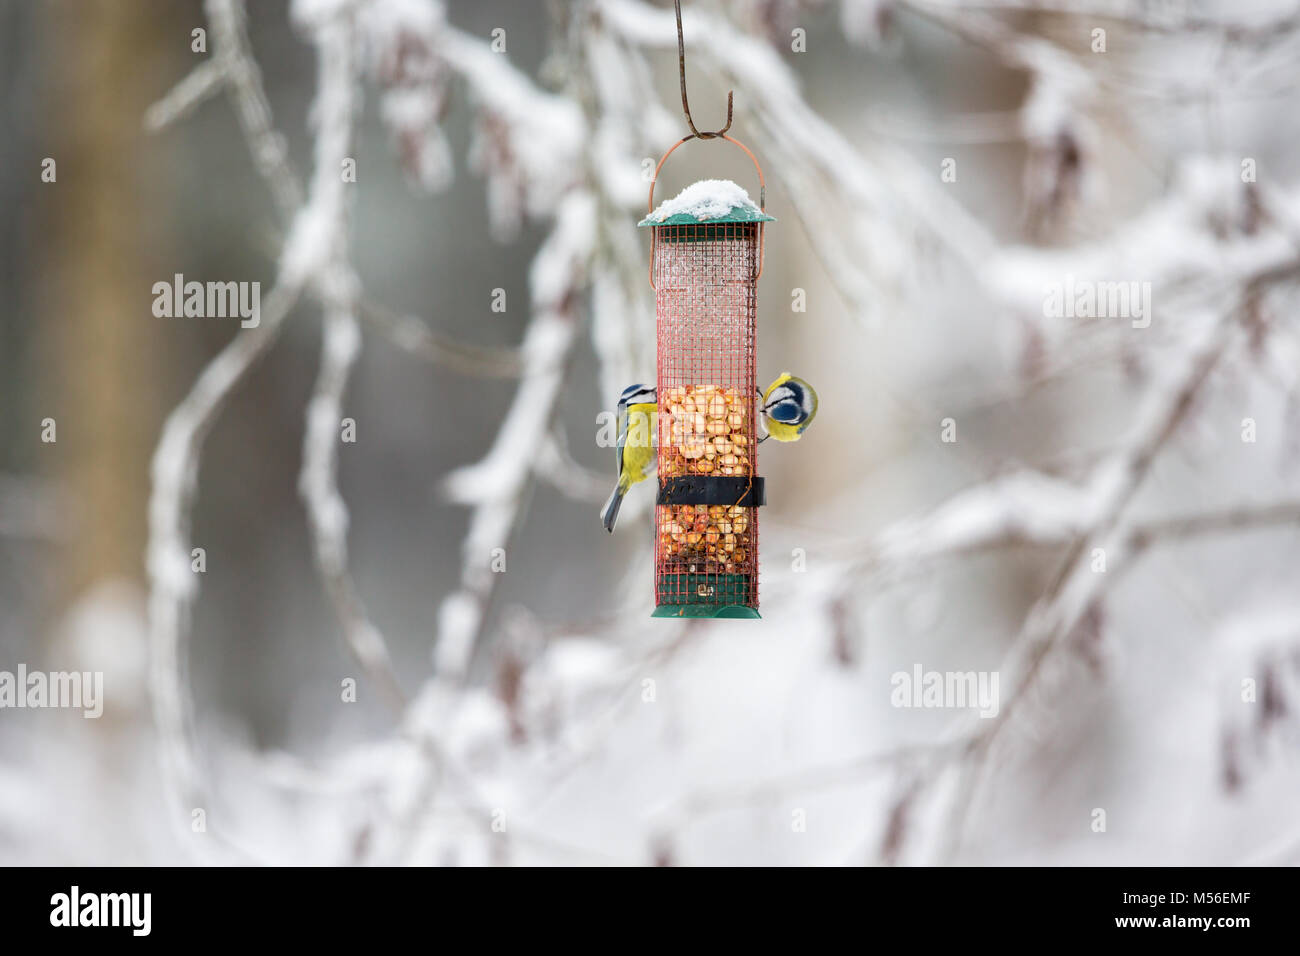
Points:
[415,337]
[269,151]
[562,472]
[202,83]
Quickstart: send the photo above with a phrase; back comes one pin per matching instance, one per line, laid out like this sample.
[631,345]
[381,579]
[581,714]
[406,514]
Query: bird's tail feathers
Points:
[609,514]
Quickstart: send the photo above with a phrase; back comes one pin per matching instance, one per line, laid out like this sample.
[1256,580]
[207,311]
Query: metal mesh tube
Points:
[705,278]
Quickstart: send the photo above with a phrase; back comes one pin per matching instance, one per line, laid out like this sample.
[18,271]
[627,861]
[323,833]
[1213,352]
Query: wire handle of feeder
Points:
[762,195]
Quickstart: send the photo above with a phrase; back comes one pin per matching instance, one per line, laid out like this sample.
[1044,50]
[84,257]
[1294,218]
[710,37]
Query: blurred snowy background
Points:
[1101,510]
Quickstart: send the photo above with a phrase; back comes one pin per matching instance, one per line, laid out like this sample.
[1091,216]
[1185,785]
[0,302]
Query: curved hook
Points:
[681,72]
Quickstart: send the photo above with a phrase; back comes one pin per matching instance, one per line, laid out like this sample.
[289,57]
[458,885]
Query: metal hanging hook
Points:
[681,71]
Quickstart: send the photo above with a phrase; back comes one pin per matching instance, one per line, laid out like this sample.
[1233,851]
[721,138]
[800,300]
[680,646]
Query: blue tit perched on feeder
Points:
[636,452]
[789,406]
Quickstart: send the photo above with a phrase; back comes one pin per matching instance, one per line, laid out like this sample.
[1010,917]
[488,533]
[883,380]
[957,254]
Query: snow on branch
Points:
[1208,227]
[173,584]
[398,39]
[323,228]
[528,142]
[495,486]
[305,259]
[233,68]
[233,52]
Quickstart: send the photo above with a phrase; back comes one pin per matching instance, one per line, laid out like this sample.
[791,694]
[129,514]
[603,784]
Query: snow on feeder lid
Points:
[706,257]
[707,201]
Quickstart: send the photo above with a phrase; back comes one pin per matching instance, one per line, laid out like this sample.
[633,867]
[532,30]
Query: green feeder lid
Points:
[707,202]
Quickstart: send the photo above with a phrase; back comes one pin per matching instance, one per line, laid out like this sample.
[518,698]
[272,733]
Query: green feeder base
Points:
[741,611]
[698,595]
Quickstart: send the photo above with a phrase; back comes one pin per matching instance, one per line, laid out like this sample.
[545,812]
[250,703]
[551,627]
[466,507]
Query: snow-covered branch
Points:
[495,486]
[173,583]
[324,229]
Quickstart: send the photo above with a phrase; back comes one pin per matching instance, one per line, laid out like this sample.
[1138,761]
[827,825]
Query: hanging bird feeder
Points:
[706,258]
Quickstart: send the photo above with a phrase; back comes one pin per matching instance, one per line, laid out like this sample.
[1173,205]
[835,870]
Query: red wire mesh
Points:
[705,277]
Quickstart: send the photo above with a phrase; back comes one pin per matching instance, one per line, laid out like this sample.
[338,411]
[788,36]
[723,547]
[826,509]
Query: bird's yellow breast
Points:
[639,448]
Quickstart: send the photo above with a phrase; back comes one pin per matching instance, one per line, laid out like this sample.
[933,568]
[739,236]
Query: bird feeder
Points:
[705,261]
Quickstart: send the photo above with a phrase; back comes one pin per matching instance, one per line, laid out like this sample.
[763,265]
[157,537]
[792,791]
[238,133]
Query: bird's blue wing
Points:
[622,439]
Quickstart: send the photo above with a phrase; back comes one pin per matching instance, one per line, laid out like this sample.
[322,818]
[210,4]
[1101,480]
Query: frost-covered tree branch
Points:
[173,584]
[340,343]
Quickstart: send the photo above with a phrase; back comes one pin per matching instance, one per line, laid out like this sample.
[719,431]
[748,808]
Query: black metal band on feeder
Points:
[730,490]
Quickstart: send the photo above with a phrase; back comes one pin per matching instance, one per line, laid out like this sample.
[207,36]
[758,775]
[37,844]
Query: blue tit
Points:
[636,452]
[789,406]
